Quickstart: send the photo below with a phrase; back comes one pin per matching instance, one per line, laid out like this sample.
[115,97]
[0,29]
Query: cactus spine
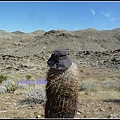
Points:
[62,92]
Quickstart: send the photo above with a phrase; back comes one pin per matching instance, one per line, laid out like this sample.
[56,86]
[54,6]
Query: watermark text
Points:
[39,81]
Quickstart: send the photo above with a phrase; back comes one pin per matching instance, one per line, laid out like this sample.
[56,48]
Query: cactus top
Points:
[59,60]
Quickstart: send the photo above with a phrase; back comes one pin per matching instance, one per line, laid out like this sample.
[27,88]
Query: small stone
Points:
[114,115]
[85,116]
[97,105]
[15,104]
[16,107]
[86,93]
[110,108]
[78,113]
[102,109]
[38,116]
[7,103]
[2,111]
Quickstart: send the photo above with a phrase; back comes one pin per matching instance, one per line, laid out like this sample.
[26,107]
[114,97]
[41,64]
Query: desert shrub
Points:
[22,86]
[36,94]
[81,70]
[3,89]
[111,85]
[10,85]
[2,78]
[88,85]
[28,77]
[83,86]
[103,79]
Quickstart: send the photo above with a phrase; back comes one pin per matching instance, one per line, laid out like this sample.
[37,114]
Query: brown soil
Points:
[104,104]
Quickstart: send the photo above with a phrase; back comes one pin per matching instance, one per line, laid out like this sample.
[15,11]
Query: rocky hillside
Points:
[88,47]
[10,42]
[74,41]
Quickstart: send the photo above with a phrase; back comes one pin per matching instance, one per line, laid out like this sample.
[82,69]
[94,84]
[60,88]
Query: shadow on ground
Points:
[112,100]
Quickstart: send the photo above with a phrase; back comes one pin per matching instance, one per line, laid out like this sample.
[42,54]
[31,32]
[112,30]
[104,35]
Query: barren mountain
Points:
[12,41]
[21,44]
[81,45]
[89,39]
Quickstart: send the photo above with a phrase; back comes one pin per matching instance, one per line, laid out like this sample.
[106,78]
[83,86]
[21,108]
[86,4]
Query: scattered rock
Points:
[3,111]
[79,112]
[101,109]
[110,108]
[114,115]
[38,116]
[15,104]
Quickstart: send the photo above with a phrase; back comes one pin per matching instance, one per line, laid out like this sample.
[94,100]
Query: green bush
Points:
[28,77]
[10,85]
[2,78]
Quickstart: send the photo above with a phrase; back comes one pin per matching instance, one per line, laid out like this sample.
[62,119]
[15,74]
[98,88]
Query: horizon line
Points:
[56,30]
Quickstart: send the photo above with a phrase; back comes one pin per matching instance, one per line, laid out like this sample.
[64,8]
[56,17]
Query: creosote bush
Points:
[28,77]
[10,85]
[2,78]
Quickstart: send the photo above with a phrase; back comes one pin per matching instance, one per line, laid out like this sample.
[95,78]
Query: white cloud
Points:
[93,12]
[113,19]
[106,14]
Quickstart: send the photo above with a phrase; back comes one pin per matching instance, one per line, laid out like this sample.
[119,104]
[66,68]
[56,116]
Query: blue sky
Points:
[31,16]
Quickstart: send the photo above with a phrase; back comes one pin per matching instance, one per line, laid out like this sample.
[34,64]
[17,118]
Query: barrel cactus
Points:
[62,92]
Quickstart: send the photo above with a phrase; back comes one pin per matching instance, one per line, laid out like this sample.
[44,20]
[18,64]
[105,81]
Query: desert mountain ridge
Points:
[88,39]
[86,45]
